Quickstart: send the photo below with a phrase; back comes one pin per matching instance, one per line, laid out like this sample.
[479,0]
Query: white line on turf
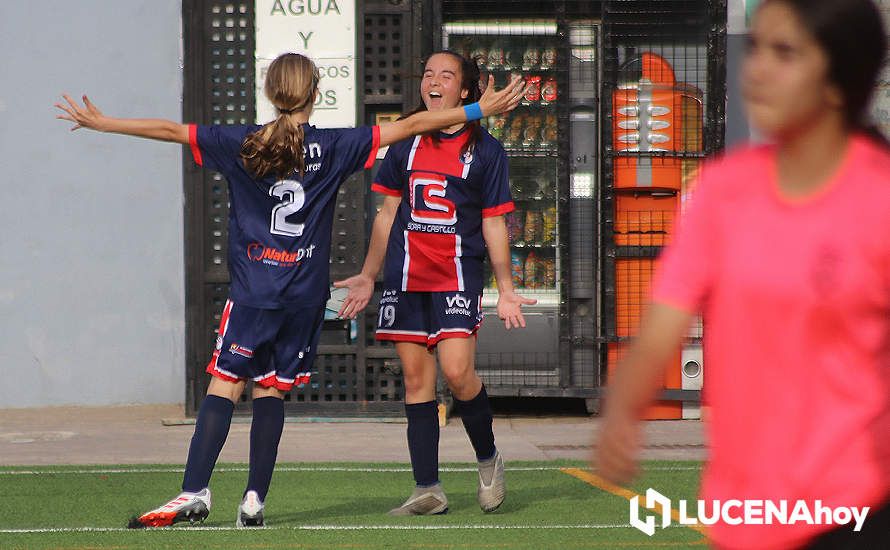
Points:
[317,528]
[357,469]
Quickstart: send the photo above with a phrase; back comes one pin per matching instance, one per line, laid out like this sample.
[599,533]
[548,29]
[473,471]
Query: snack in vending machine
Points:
[548,91]
[533,227]
[496,126]
[514,226]
[548,58]
[531,270]
[532,89]
[548,131]
[545,187]
[548,136]
[531,58]
[513,59]
[549,278]
[513,135]
[497,57]
[480,54]
[532,131]
[518,185]
[517,267]
[483,81]
[540,267]
[548,225]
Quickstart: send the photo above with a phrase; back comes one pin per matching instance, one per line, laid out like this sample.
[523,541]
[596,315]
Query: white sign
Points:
[324,31]
[748,512]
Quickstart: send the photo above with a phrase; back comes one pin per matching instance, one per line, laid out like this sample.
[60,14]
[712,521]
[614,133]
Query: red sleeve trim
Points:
[498,210]
[193,143]
[385,190]
[375,146]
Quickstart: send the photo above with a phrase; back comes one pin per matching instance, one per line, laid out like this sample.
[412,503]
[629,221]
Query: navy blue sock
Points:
[265,433]
[476,415]
[211,430]
[423,442]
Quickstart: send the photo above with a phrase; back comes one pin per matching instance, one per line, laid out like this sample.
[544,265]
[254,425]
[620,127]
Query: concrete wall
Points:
[91,270]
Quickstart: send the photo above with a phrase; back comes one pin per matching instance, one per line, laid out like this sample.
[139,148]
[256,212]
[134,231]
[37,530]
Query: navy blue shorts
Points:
[272,347]
[428,317]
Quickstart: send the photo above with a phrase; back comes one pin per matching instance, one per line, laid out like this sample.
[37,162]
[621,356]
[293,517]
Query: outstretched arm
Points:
[89,116]
[361,286]
[633,386]
[491,103]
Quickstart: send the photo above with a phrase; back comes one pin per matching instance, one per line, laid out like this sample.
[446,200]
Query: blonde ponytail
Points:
[277,148]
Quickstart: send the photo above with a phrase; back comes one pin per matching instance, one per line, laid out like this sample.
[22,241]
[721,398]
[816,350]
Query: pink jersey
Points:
[795,295]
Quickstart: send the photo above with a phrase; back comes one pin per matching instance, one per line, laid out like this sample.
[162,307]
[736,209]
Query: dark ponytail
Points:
[277,148]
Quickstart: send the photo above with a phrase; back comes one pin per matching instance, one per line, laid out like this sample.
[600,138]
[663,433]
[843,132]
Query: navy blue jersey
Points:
[280,230]
[436,242]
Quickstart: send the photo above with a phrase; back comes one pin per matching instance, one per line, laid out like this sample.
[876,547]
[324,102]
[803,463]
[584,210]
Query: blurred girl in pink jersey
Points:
[785,252]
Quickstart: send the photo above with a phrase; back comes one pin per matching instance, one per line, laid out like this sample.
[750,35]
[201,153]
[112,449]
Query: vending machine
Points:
[553,233]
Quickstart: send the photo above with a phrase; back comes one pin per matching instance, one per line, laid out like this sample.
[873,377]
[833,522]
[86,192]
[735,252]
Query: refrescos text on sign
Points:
[323,30]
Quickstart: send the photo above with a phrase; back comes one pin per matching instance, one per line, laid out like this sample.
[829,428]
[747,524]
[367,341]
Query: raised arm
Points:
[491,103]
[361,286]
[89,116]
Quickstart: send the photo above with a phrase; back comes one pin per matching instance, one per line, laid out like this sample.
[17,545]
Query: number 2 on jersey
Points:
[292,199]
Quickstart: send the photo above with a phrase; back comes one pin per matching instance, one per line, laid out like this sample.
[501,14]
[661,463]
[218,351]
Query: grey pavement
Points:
[160,434]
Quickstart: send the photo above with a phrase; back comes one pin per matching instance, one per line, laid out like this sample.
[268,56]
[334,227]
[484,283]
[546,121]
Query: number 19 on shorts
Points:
[387,316]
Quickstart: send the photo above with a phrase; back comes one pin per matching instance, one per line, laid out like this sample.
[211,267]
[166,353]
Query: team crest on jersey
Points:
[467,157]
[241,350]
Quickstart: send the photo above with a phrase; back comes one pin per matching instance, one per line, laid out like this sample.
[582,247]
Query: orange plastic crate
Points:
[644,219]
[673,379]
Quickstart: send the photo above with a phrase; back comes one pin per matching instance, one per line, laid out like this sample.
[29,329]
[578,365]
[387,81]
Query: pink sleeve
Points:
[687,267]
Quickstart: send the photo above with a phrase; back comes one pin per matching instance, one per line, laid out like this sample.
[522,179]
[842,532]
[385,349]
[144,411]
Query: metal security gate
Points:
[218,89]
[664,90]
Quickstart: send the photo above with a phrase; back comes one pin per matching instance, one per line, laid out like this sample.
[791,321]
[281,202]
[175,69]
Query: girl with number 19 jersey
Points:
[445,197]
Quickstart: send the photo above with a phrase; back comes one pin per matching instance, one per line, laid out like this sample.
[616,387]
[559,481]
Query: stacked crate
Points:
[654,120]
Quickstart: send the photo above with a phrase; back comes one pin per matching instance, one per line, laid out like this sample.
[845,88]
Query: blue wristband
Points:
[473,111]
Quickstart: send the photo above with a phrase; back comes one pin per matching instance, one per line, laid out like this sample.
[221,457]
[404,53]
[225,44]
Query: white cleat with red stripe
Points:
[189,507]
